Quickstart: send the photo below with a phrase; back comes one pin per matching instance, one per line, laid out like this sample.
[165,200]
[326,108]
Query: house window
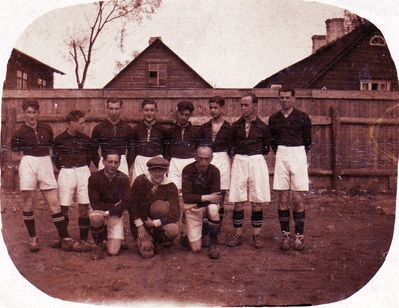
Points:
[22,80]
[377,40]
[375,85]
[157,74]
[41,83]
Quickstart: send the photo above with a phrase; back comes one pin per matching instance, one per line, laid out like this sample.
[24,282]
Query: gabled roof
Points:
[159,41]
[37,61]
[306,72]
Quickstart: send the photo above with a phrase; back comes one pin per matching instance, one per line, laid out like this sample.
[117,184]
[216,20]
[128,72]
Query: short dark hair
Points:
[105,153]
[185,105]
[218,100]
[286,89]
[30,103]
[114,100]
[149,102]
[74,116]
[252,96]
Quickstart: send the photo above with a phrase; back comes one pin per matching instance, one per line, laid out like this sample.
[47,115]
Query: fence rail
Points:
[355,133]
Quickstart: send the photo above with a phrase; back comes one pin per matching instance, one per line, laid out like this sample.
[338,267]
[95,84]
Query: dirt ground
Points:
[347,238]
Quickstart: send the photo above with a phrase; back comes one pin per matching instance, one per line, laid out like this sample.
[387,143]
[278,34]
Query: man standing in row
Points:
[148,138]
[291,139]
[249,171]
[35,140]
[217,134]
[113,134]
[72,153]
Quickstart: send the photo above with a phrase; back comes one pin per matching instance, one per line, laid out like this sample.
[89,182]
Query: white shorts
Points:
[222,161]
[122,167]
[194,221]
[176,168]
[249,179]
[71,180]
[291,169]
[34,170]
[114,224]
[140,166]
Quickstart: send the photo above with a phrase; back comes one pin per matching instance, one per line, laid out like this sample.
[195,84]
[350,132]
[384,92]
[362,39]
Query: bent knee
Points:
[171,230]
[96,220]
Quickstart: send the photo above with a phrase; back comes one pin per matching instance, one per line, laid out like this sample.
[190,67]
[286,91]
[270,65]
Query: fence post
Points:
[336,147]
[9,170]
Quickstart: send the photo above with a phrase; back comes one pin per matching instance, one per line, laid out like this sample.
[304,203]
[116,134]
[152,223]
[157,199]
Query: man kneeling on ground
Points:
[201,196]
[108,193]
[154,209]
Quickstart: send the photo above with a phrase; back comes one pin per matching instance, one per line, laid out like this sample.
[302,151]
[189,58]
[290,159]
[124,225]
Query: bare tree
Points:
[120,65]
[81,47]
[352,21]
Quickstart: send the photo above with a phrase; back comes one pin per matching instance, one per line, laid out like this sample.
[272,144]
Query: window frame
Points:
[368,85]
[161,71]
[22,80]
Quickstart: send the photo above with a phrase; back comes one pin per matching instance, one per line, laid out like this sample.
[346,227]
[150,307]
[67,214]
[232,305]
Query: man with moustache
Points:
[291,139]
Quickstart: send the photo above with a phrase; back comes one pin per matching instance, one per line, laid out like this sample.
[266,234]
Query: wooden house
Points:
[157,67]
[359,60]
[26,72]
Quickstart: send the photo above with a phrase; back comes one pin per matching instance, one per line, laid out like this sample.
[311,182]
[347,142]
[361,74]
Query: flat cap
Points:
[157,163]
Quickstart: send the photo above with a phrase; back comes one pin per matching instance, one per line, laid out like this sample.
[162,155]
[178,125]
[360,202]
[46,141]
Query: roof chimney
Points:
[335,29]
[318,41]
[153,39]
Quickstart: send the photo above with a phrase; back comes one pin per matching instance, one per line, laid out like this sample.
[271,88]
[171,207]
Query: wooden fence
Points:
[355,133]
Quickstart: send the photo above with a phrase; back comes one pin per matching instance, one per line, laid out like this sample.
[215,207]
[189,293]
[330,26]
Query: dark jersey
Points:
[73,151]
[195,183]
[148,139]
[144,193]
[256,141]
[182,141]
[294,130]
[220,142]
[33,141]
[104,194]
[108,136]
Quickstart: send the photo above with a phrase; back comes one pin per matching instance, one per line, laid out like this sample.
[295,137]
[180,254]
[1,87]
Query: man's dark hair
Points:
[252,96]
[110,152]
[149,102]
[286,89]
[114,100]
[218,100]
[30,103]
[74,116]
[185,105]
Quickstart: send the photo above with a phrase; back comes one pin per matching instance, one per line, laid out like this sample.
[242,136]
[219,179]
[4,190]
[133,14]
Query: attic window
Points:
[377,40]
[157,74]
[41,83]
[375,85]
[22,80]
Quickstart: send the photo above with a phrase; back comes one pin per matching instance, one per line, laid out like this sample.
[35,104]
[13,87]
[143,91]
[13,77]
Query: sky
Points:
[229,43]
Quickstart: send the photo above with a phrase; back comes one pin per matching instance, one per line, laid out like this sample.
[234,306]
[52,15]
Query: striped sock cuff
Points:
[238,218]
[257,219]
[58,217]
[27,215]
